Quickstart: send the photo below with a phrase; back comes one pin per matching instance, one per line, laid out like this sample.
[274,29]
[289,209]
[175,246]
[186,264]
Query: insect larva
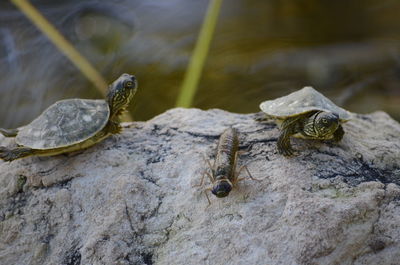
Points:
[224,175]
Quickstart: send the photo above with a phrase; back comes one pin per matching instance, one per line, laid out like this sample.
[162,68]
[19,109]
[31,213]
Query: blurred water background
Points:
[348,50]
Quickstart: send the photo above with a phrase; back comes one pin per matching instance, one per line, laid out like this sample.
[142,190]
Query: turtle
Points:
[72,124]
[306,114]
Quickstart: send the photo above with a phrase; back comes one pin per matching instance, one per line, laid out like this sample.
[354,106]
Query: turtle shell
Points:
[302,101]
[65,123]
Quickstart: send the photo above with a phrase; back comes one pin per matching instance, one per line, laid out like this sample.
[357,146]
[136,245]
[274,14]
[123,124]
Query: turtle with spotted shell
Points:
[306,114]
[72,124]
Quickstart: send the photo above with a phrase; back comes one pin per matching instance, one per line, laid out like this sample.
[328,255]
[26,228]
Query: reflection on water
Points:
[262,49]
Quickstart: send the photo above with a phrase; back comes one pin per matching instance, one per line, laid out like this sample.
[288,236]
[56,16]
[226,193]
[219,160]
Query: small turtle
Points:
[72,124]
[306,114]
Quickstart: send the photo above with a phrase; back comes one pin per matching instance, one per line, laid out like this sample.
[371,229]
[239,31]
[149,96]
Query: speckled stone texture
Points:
[131,200]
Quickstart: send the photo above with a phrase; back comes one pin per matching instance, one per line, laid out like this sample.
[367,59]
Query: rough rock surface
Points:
[131,200]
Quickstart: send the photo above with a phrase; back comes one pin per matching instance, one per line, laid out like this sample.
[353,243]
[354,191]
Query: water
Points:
[348,50]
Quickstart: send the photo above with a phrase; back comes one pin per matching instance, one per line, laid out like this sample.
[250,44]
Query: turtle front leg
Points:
[338,134]
[288,128]
[12,154]
[9,132]
[284,146]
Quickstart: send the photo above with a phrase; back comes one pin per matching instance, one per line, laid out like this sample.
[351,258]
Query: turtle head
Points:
[326,123]
[120,93]
[221,188]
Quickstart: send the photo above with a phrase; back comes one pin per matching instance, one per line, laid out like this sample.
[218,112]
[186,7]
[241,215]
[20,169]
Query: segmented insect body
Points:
[224,175]
[223,170]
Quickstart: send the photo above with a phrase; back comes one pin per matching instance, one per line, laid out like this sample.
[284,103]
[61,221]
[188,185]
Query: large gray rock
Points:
[131,200]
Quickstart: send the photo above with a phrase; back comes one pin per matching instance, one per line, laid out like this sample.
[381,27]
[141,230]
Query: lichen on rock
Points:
[130,199]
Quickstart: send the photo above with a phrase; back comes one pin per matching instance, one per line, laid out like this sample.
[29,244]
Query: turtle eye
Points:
[129,84]
[324,120]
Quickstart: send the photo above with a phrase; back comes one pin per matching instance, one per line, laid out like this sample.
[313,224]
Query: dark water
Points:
[348,50]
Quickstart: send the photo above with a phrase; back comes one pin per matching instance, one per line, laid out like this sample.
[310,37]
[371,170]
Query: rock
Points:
[131,200]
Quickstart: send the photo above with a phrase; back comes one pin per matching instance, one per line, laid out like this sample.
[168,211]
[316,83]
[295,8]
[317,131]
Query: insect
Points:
[223,174]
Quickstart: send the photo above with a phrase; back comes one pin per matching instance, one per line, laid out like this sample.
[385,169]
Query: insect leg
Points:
[248,174]
[210,176]
[202,179]
[205,192]
[235,175]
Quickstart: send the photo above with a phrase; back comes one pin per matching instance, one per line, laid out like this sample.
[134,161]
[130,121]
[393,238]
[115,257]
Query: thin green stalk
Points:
[193,73]
[63,45]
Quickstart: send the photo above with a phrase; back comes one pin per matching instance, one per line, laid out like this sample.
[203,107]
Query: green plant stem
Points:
[64,46]
[196,64]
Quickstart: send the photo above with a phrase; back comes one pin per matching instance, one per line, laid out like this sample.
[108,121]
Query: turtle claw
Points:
[287,151]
